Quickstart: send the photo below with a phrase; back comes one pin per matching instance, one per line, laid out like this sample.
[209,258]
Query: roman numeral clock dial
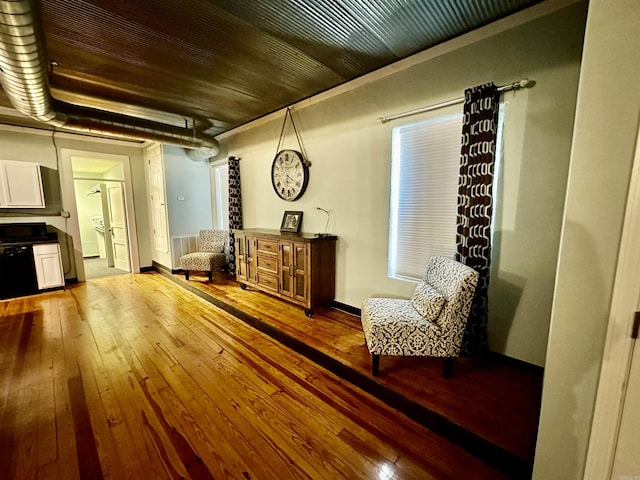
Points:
[289,175]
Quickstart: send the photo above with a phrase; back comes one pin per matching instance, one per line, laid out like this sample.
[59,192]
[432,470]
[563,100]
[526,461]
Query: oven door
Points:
[17,272]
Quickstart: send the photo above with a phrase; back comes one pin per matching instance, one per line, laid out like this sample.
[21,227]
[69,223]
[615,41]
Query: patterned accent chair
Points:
[431,323]
[213,247]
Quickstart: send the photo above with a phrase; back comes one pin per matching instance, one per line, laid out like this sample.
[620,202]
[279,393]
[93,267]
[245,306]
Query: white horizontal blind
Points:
[424,192]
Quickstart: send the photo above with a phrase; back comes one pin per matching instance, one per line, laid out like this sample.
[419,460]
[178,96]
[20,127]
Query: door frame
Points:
[69,199]
[618,349]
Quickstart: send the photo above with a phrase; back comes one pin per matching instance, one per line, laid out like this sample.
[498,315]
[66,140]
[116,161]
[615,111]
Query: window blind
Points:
[424,191]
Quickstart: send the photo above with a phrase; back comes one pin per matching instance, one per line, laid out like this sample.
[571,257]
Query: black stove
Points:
[17,267]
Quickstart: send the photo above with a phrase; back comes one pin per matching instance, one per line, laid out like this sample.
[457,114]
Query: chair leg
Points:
[211,275]
[186,274]
[375,365]
[447,367]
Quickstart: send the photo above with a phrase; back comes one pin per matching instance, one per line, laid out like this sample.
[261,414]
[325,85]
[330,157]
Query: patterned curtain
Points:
[475,203]
[235,209]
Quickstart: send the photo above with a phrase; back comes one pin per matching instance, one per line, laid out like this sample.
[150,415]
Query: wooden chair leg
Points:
[186,274]
[211,275]
[375,365]
[447,367]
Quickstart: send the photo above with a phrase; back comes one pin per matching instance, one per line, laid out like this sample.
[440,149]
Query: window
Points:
[221,197]
[425,162]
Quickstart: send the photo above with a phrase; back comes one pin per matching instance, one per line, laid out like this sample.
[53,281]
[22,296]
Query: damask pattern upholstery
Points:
[393,326]
[212,253]
[428,301]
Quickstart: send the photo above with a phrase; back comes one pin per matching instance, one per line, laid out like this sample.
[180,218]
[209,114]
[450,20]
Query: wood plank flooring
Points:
[135,377]
[489,406]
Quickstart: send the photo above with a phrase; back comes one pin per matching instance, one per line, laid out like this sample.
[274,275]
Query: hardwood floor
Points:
[135,377]
[490,407]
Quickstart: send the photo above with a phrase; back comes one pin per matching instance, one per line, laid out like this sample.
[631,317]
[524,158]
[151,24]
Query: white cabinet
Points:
[48,265]
[20,185]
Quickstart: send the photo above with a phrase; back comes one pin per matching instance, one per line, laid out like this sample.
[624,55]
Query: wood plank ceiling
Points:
[222,63]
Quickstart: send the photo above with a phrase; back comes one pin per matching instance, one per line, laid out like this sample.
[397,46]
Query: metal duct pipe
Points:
[24,78]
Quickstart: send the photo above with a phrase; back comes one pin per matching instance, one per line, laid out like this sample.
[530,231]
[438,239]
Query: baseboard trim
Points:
[517,363]
[346,308]
[164,270]
[492,454]
[159,267]
[146,269]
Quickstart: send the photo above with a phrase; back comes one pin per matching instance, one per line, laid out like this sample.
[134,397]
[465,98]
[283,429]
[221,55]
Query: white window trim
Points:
[220,198]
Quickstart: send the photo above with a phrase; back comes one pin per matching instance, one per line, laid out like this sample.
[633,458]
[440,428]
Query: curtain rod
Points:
[524,83]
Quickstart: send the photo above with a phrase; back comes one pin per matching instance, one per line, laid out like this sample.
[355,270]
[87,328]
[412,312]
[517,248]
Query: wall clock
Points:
[289,175]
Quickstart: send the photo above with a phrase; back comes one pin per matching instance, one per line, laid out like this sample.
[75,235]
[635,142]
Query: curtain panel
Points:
[475,203]
[235,209]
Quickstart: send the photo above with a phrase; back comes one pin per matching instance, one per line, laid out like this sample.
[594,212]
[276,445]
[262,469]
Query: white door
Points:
[626,458]
[157,194]
[613,446]
[118,230]
[626,461]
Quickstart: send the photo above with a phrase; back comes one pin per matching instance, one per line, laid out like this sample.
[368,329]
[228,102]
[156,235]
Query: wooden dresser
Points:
[297,267]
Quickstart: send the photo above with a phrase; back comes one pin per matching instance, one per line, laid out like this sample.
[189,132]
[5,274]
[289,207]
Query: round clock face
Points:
[289,175]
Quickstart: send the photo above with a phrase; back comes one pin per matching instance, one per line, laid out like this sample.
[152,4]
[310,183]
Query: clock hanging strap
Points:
[295,130]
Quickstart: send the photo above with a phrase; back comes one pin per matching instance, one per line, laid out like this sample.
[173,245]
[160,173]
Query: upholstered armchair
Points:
[213,247]
[431,323]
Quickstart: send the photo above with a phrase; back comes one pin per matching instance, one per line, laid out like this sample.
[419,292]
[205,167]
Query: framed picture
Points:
[291,221]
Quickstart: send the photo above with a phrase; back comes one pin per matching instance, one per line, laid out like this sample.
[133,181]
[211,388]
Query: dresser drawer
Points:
[268,263]
[267,246]
[268,281]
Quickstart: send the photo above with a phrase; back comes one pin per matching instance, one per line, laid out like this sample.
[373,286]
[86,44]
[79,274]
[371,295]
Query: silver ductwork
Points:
[24,78]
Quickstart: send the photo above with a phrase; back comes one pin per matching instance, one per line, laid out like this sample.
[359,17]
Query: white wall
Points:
[88,206]
[37,146]
[115,173]
[604,140]
[350,154]
[188,191]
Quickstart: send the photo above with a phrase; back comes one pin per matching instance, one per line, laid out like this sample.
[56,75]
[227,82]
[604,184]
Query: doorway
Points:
[101,210]
[105,227]
[102,222]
